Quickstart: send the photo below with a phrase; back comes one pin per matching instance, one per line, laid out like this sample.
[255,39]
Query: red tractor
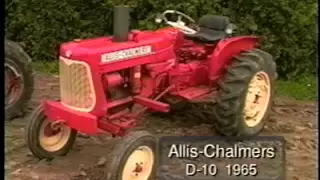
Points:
[107,82]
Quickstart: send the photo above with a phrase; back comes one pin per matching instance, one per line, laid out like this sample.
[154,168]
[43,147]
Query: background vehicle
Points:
[18,79]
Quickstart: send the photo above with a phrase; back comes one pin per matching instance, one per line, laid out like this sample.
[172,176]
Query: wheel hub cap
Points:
[53,137]
[13,85]
[257,99]
[139,164]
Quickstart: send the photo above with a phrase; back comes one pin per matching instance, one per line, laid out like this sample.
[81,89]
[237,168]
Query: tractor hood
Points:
[93,50]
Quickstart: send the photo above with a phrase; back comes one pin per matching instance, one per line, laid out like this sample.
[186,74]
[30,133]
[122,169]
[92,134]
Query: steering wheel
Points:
[179,24]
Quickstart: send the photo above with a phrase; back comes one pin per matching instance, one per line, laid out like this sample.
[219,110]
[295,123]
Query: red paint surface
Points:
[189,68]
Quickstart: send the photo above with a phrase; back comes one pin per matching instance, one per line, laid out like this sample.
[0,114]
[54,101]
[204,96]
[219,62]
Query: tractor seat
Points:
[212,28]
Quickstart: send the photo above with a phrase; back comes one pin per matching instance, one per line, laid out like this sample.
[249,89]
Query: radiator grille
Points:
[76,90]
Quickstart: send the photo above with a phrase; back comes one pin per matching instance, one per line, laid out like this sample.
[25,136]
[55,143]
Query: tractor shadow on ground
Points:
[177,123]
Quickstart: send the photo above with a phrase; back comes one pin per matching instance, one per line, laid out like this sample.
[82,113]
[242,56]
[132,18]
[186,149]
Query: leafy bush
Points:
[288,26]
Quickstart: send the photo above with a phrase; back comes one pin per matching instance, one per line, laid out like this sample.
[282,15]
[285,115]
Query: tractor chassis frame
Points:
[116,124]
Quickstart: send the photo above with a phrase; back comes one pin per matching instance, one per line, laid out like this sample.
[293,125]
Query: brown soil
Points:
[294,120]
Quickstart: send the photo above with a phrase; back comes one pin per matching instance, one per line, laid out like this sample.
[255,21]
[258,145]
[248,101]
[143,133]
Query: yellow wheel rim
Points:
[53,138]
[257,99]
[139,164]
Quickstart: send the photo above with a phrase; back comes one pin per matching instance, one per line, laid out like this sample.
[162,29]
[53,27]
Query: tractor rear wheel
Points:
[245,97]
[47,139]
[18,80]
[134,158]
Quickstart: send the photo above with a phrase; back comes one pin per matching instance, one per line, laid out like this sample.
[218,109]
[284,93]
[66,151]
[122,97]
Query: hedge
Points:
[288,26]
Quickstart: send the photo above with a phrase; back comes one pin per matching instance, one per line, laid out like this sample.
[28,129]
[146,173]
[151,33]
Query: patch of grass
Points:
[46,67]
[301,88]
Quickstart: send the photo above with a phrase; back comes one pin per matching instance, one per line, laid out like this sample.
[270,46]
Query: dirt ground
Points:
[294,120]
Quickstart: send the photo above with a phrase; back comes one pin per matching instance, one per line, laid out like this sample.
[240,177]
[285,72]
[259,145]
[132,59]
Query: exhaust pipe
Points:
[121,23]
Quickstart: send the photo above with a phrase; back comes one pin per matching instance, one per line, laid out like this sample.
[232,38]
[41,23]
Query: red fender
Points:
[228,48]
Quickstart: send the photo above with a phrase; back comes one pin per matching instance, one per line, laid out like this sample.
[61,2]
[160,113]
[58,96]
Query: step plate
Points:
[192,93]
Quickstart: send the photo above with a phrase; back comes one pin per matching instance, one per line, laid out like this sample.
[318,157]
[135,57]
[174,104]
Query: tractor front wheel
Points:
[246,91]
[134,158]
[47,139]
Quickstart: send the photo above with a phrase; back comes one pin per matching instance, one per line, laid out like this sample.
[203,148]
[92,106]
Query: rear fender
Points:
[226,49]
